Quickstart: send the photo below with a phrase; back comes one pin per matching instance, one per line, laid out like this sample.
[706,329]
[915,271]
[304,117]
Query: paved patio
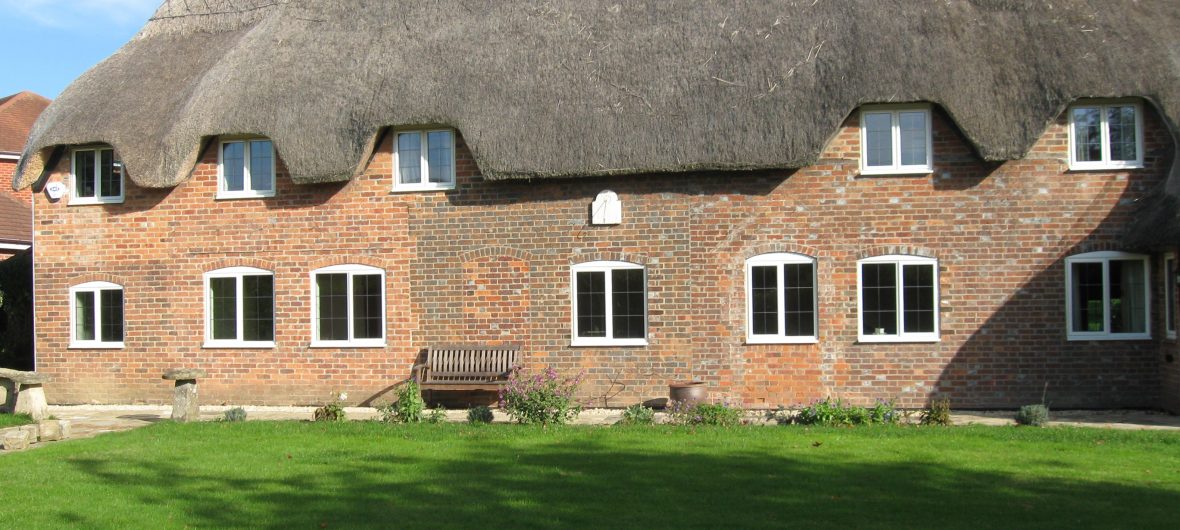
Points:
[92,420]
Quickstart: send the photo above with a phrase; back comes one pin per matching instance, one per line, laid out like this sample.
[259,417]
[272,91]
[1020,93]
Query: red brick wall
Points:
[489,262]
[7,169]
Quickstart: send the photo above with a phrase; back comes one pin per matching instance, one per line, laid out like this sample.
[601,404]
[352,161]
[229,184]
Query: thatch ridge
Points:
[588,87]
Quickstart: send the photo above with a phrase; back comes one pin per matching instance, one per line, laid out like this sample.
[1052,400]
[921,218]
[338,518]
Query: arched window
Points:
[609,304]
[239,308]
[781,302]
[348,306]
[96,315]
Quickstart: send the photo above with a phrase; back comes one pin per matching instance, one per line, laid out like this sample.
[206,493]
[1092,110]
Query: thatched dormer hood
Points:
[565,88]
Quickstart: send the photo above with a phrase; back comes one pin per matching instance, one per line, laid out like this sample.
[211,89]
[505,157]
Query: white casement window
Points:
[1170,295]
[424,160]
[96,177]
[609,304]
[1107,296]
[348,306]
[781,299]
[239,308]
[895,140]
[897,299]
[245,169]
[1106,135]
[96,311]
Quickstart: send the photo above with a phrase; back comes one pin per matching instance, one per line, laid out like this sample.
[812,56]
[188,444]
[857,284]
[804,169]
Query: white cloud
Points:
[75,13]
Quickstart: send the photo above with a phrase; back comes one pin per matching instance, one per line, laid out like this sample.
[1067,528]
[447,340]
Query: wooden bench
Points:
[466,367]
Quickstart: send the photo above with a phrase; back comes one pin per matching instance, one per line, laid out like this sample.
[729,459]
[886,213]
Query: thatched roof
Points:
[584,87]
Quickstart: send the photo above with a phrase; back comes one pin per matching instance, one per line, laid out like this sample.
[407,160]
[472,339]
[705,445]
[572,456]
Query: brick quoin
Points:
[490,262]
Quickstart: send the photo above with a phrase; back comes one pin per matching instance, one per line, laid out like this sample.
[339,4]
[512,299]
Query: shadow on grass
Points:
[583,482]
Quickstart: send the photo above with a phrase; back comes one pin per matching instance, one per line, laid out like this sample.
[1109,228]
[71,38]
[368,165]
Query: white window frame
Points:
[95,288]
[247,169]
[424,163]
[899,260]
[238,273]
[350,270]
[777,260]
[1106,162]
[896,168]
[98,198]
[1105,257]
[605,267]
[1169,275]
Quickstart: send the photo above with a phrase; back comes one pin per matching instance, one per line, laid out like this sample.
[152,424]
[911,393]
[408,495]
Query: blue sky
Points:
[48,43]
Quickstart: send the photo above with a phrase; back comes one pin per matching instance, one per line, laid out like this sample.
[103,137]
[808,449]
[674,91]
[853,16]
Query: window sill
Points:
[95,346]
[895,339]
[1105,166]
[897,171]
[347,344]
[237,344]
[412,188]
[1107,336]
[595,342]
[781,340]
[222,196]
[90,202]
[1171,335]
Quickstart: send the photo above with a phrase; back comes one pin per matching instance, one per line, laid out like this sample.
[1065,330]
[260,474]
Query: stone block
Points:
[185,406]
[16,440]
[33,431]
[31,400]
[7,395]
[51,431]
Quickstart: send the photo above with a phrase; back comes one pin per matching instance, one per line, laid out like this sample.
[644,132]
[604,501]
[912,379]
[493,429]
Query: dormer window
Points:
[895,140]
[96,177]
[424,160]
[1106,135]
[245,169]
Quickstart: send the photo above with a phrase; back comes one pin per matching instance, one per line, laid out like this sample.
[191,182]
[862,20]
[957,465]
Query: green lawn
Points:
[11,420]
[360,474]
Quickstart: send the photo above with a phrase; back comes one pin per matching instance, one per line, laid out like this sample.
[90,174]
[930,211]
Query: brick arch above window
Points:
[777,247]
[226,263]
[496,251]
[98,277]
[637,259]
[367,260]
[898,250]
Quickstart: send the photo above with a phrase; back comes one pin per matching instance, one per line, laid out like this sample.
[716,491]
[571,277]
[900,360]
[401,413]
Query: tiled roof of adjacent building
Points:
[17,114]
[15,221]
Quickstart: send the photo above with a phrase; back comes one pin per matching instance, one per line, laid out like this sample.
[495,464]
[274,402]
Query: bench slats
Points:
[467,367]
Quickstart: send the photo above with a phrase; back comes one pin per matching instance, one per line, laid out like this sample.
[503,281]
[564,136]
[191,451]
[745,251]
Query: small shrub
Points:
[638,415]
[409,406]
[544,398]
[938,413]
[437,415]
[834,412]
[234,414]
[691,413]
[329,412]
[480,414]
[1035,415]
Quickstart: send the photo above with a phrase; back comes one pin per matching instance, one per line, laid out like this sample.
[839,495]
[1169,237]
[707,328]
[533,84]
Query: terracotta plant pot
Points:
[687,391]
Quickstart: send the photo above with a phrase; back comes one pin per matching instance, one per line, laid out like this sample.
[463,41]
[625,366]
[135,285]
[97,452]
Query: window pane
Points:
[261,165]
[258,318]
[627,303]
[1128,303]
[332,300]
[1121,122]
[878,139]
[918,284]
[84,316]
[233,165]
[111,175]
[112,315]
[799,299]
[591,293]
[1087,296]
[409,158]
[440,144]
[1170,294]
[879,296]
[913,138]
[84,173]
[1087,134]
[764,300]
[224,308]
[366,306]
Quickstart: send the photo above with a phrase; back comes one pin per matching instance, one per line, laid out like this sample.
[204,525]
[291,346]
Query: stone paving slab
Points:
[92,420]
